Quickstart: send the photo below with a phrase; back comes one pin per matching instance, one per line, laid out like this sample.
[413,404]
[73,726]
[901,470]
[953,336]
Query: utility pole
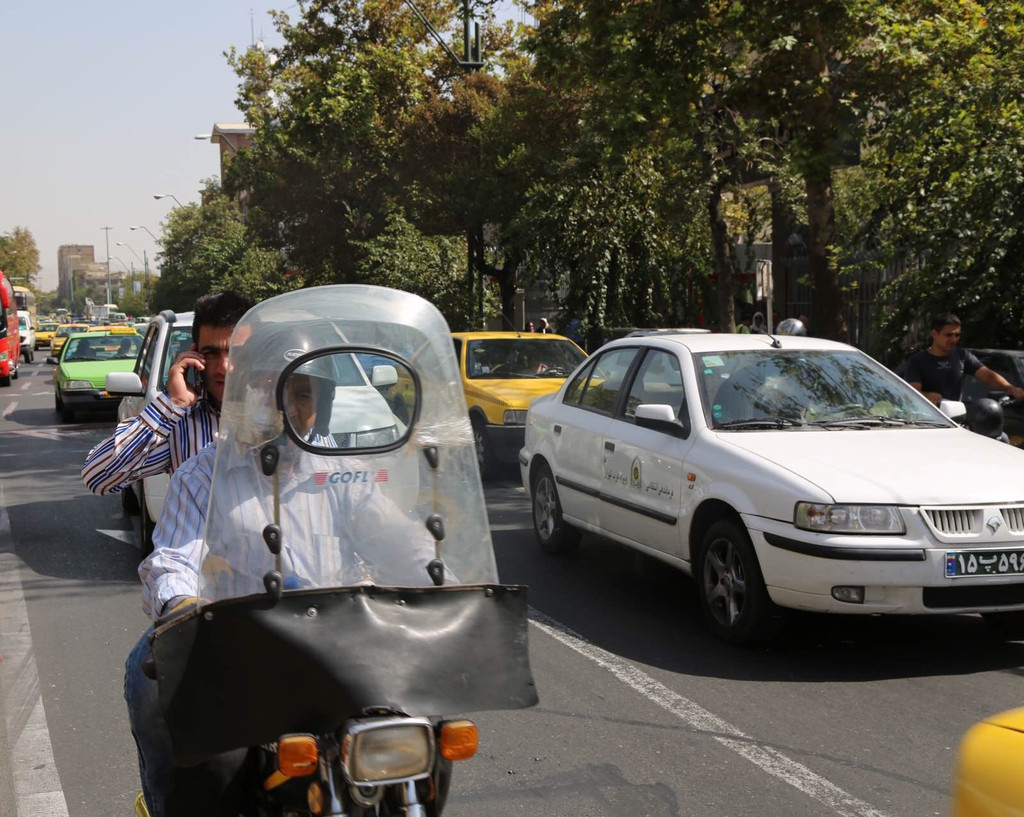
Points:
[469,63]
[145,265]
[107,231]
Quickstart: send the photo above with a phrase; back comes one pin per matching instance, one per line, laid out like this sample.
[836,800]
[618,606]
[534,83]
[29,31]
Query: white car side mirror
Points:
[384,376]
[953,409]
[125,383]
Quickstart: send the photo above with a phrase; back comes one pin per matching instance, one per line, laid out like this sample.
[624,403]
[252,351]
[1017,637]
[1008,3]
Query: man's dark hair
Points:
[219,309]
[946,319]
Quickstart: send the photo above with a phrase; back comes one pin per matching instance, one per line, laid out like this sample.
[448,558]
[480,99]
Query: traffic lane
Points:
[597,746]
[83,601]
[29,403]
[846,692]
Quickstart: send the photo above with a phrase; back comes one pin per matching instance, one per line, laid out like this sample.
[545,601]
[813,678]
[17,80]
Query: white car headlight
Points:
[78,384]
[824,518]
[514,418]
[379,436]
[387,750]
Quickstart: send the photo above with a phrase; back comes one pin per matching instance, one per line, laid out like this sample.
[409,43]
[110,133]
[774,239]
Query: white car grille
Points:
[970,522]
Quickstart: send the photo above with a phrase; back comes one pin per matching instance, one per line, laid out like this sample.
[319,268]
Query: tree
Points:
[206,249]
[19,257]
[947,182]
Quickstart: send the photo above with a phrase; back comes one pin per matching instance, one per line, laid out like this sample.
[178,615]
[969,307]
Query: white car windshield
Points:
[777,388]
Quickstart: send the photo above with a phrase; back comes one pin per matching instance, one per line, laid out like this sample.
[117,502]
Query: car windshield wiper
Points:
[873,420]
[759,422]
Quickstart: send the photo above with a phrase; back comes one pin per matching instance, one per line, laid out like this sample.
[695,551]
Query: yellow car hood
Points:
[514,393]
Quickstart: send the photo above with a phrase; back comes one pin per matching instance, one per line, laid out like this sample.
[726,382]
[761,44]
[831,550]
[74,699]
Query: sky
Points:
[101,104]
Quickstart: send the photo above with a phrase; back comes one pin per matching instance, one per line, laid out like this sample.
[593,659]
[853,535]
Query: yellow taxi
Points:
[61,335]
[989,777]
[45,330]
[502,373]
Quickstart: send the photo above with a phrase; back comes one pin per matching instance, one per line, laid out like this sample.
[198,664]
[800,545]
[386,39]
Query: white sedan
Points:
[784,472]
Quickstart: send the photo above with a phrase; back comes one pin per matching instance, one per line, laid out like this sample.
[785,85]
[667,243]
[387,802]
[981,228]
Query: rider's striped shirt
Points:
[158,440]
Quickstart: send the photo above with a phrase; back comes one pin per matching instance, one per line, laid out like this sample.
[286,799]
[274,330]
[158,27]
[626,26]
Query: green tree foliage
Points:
[948,178]
[432,267]
[206,249]
[19,257]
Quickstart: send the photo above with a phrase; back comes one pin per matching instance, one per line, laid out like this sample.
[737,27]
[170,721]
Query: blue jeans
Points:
[156,755]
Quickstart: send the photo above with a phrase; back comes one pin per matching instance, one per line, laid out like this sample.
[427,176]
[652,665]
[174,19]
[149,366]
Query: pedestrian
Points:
[183,418]
[529,326]
[938,371]
[757,324]
[543,328]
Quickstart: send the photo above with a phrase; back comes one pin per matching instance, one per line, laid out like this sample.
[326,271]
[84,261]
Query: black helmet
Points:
[985,416]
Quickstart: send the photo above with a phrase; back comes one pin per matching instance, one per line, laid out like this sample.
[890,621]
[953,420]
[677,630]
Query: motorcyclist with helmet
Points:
[791,326]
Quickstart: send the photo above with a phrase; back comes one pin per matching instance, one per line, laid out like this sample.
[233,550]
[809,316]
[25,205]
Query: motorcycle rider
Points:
[182,420]
[172,575]
[938,371]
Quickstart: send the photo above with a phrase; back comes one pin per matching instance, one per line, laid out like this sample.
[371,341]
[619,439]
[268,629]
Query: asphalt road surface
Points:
[641,712]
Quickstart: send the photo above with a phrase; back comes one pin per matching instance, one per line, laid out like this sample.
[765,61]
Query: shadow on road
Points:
[644,610]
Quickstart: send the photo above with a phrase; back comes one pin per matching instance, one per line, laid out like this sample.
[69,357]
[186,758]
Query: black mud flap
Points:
[242,672]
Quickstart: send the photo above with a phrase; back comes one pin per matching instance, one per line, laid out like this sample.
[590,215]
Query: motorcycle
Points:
[350,612]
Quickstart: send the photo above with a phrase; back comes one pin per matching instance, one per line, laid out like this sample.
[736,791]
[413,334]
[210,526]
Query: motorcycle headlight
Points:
[825,518]
[379,436]
[387,751]
[78,384]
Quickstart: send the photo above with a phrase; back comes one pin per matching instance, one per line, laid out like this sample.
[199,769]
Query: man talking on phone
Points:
[181,420]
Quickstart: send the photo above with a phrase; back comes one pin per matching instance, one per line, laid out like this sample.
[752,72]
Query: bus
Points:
[26,299]
[10,338]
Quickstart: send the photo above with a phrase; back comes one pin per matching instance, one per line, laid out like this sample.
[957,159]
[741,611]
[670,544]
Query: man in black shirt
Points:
[938,371]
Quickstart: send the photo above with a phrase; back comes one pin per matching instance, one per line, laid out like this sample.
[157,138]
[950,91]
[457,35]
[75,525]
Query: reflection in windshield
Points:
[786,389]
[518,358]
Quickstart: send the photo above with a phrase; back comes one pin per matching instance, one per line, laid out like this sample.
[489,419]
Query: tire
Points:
[146,525]
[5,381]
[484,451]
[129,502]
[1009,626]
[554,534]
[67,414]
[733,596]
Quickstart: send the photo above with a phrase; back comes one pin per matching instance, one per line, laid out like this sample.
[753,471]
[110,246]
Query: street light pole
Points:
[143,227]
[145,260]
[107,232]
[159,196]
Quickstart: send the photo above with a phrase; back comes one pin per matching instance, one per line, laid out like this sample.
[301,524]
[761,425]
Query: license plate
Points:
[984,563]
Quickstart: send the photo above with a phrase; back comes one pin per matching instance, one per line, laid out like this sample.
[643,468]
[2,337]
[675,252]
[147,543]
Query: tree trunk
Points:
[723,260]
[827,304]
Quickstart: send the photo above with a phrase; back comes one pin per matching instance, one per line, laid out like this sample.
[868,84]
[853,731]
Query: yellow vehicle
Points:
[45,330]
[61,335]
[502,373]
[989,777]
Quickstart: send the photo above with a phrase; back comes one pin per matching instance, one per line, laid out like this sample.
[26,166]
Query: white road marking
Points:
[126,536]
[767,759]
[37,790]
[11,407]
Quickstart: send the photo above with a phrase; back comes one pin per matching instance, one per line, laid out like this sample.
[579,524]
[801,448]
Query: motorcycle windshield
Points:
[345,445]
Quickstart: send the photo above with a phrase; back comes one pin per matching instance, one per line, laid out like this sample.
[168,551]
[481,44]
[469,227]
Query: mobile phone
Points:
[194,379]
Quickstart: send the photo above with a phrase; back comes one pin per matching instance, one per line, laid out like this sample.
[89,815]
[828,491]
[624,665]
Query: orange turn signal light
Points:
[297,755]
[458,740]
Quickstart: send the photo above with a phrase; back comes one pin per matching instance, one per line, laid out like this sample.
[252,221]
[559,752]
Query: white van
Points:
[27,332]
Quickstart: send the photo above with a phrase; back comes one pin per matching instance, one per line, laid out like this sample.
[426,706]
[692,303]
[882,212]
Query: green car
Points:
[79,381]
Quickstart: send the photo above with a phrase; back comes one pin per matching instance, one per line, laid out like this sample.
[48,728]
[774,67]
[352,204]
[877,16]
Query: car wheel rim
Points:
[478,438]
[725,586]
[544,508]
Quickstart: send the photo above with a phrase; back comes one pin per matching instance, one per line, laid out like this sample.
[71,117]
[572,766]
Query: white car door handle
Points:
[609,446]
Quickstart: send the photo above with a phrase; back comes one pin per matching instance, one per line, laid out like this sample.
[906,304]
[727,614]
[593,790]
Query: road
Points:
[641,712]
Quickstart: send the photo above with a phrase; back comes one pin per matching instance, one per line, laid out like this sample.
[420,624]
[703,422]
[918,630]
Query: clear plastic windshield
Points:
[356,432]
